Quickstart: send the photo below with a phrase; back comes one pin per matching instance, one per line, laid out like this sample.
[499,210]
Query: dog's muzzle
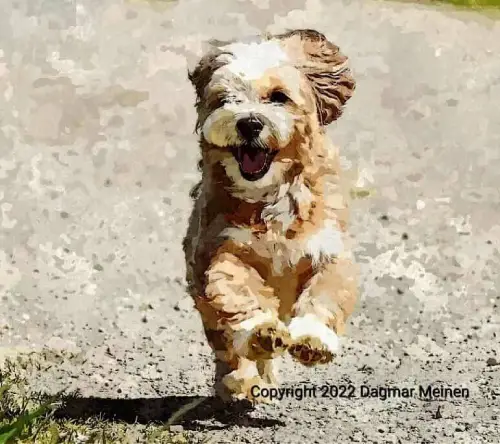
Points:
[249,127]
[254,160]
[253,157]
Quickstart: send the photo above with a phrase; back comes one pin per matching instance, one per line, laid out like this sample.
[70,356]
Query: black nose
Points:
[249,127]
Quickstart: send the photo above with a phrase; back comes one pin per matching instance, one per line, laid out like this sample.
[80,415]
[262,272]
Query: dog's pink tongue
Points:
[255,163]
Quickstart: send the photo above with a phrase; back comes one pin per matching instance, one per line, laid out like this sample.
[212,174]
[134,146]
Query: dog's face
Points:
[261,104]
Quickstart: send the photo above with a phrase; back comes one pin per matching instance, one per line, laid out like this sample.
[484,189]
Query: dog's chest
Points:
[282,251]
[271,246]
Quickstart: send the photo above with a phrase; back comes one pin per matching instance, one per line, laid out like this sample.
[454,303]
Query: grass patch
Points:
[21,412]
[477,5]
[473,3]
[29,417]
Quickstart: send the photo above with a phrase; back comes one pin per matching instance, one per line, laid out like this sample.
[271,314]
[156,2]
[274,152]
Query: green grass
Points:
[485,5]
[474,3]
[28,417]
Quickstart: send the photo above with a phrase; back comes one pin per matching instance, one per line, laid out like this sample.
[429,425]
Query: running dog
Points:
[267,256]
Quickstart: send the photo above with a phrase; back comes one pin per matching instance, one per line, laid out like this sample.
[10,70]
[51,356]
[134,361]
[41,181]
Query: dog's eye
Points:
[221,101]
[216,101]
[279,97]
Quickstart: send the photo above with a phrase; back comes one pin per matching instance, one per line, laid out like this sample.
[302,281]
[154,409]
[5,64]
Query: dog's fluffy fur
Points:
[266,250]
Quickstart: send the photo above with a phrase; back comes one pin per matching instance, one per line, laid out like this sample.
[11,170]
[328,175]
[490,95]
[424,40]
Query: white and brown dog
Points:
[267,260]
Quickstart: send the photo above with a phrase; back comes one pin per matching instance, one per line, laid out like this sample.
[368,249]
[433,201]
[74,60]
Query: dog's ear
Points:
[325,67]
[201,75]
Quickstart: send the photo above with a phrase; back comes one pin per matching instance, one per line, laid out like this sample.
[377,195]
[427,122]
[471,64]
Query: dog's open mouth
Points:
[254,161]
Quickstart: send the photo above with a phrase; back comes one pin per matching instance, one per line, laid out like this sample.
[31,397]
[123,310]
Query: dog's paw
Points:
[262,339]
[268,341]
[310,351]
[312,342]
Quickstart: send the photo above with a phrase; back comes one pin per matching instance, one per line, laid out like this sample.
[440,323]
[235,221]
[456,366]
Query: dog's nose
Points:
[249,127]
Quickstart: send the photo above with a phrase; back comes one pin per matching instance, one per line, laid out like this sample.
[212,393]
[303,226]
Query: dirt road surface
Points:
[97,156]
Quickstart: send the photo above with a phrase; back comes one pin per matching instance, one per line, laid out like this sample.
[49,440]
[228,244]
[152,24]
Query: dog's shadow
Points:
[200,413]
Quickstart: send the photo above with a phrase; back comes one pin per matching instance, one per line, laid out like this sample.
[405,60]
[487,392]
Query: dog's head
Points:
[261,104]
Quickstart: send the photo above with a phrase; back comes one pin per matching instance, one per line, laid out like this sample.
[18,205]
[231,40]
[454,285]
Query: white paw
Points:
[309,325]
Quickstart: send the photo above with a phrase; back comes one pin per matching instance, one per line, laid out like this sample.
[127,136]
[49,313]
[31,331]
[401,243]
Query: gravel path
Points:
[97,155]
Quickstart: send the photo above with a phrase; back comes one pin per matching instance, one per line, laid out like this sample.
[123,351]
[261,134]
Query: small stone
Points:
[366,369]
[438,414]
[491,362]
[176,428]
[59,344]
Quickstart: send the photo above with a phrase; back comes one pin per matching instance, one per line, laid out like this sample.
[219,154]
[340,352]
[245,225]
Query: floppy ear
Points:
[326,69]
[202,73]
[207,65]
[200,76]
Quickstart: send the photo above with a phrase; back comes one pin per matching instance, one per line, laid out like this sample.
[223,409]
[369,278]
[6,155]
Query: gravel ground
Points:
[97,156]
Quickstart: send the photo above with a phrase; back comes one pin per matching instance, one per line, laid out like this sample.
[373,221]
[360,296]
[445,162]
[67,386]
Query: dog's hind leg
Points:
[236,378]
[267,371]
[321,311]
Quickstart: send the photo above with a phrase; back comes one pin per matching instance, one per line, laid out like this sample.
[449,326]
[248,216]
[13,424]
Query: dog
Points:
[267,257]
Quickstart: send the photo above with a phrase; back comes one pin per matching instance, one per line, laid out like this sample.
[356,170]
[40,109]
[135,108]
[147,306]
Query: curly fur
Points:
[267,261]
[326,68]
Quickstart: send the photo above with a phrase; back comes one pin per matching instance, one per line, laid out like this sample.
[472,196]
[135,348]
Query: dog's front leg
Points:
[242,313]
[321,311]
